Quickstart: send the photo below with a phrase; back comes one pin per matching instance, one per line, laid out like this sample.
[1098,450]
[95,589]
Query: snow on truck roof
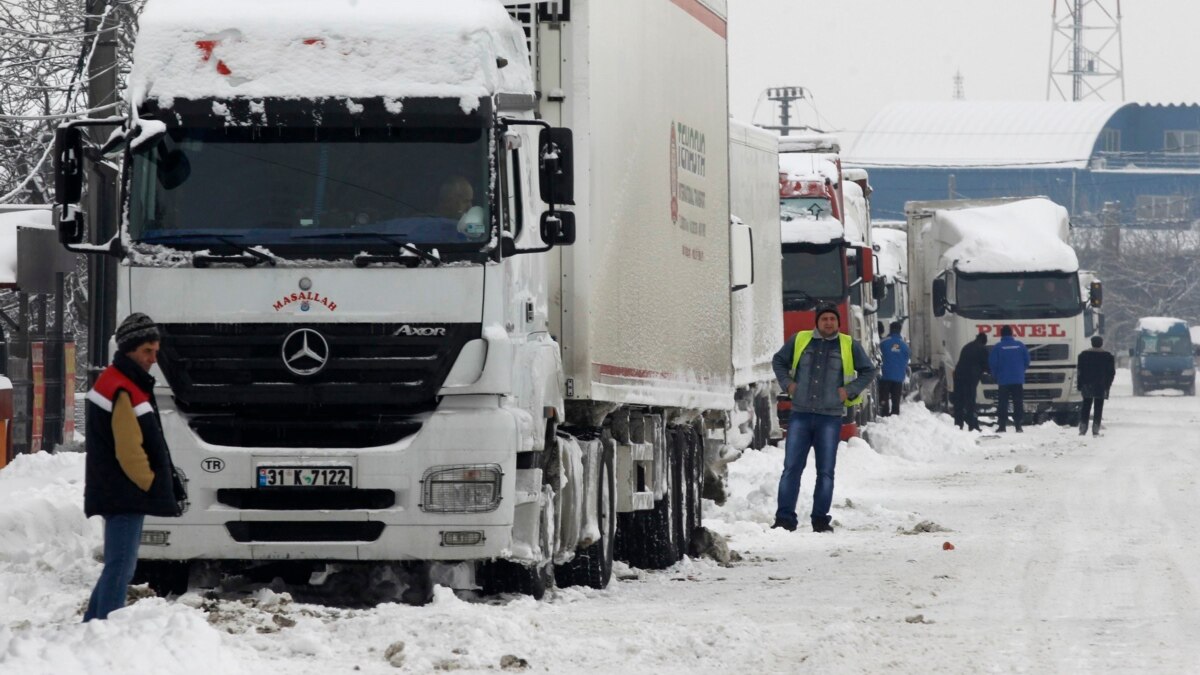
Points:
[328,48]
[1027,235]
[983,133]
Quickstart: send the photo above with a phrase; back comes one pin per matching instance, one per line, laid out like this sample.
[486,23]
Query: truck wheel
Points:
[165,577]
[507,576]
[592,566]
[694,478]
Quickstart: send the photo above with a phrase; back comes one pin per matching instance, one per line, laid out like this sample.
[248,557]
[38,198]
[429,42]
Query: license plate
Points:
[305,476]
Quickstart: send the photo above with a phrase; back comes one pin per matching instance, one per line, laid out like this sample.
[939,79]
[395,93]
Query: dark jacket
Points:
[819,374]
[129,468]
[895,358]
[1097,368]
[1008,361]
[972,364]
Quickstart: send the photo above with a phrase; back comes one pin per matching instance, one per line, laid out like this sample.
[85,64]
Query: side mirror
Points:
[1096,293]
[939,296]
[558,228]
[556,161]
[878,288]
[68,183]
[741,254]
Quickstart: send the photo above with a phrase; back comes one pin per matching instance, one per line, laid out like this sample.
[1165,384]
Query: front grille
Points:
[305,499]
[232,381]
[1030,394]
[249,530]
[1049,352]
[1044,377]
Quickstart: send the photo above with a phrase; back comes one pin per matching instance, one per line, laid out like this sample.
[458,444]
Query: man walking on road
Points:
[895,368]
[129,473]
[1096,368]
[972,364]
[1008,361]
[825,372]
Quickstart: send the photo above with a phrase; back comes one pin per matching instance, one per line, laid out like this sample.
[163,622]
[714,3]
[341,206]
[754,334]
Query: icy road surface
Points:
[1069,555]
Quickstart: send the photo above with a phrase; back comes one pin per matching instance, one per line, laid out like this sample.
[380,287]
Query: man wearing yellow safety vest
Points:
[825,372]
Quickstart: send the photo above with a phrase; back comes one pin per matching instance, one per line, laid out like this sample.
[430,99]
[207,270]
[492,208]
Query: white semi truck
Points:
[976,266]
[447,283]
[891,242]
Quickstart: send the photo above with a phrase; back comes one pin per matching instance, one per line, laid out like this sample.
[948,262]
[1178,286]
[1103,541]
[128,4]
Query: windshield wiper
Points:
[363,259]
[248,256]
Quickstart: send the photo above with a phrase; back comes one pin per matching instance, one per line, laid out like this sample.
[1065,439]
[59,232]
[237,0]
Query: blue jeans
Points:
[122,536]
[808,430]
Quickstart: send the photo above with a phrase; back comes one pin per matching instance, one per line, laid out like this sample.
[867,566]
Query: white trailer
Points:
[891,243]
[758,309]
[978,265]
[473,256]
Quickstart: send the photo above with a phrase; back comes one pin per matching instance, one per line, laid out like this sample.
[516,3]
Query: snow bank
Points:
[328,48]
[921,436]
[40,218]
[1159,324]
[1023,236]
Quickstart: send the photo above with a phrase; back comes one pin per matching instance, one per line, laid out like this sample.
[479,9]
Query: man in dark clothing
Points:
[972,364]
[895,368]
[129,473]
[1096,368]
[1008,361]
[825,372]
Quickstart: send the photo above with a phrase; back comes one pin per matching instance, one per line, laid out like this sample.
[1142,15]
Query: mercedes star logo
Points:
[305,352]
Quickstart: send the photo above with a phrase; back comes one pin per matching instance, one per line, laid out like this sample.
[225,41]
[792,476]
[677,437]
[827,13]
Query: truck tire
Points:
[507,576]
[762,422]
[592,566]
[165,577]
[694,478]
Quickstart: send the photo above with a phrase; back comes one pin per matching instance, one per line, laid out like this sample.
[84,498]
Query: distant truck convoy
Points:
[891,242]
[978,265]
[1162,356]
[431,288]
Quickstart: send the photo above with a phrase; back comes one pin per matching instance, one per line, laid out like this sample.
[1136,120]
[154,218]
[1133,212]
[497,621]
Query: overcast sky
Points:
[856,56]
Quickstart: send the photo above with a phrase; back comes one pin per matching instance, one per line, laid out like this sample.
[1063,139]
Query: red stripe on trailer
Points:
[704,15]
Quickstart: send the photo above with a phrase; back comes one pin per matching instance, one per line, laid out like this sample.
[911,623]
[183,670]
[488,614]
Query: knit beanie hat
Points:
[134,330]
[827,308]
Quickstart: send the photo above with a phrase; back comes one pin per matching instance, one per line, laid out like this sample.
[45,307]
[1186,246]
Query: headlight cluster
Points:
[1189,372]
[467,488]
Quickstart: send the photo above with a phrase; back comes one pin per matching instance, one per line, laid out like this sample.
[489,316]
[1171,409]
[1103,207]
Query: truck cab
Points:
[1162,356]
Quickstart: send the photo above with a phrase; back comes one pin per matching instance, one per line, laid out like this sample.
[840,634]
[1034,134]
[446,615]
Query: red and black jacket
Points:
[128,465]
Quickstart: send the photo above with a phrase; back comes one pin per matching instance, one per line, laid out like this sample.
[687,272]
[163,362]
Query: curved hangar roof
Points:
[983,134]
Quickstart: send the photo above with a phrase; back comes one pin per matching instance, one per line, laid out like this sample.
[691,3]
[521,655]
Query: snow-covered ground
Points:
[1068,555]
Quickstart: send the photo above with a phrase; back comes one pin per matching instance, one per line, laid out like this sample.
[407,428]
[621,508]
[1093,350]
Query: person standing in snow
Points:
[972,364]
[129,473]
[1008,361]
[895,368]
[824,371]
[1096,368]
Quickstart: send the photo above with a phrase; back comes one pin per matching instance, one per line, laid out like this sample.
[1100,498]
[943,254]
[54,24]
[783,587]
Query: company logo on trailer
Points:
[1038,330]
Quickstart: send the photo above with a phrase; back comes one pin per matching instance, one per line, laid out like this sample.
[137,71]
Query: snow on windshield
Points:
[1022,236]
[461,49]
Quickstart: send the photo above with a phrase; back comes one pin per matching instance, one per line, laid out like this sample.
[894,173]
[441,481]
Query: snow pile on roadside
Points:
[920,435]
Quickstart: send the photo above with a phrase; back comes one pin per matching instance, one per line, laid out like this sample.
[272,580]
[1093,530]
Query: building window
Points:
[1163,208]
[1182,142]
[1110,140]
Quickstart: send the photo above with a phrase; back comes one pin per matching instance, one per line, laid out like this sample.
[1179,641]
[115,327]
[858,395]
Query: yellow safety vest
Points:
[846,343]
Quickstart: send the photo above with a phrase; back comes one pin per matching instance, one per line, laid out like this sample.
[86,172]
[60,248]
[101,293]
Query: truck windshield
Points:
[812,274]
[1017,296]
[1164,345]
[278,187]
[810,208]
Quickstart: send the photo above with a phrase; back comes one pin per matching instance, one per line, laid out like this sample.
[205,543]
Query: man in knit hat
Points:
[129,473]
[825,372]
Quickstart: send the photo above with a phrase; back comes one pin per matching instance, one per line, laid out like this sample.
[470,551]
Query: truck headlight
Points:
[467,488]
[1189,372]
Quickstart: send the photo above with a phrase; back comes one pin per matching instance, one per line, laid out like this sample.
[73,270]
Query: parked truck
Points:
[891,242]
[976,266]
[1162,356]
[827,254]
[431,288]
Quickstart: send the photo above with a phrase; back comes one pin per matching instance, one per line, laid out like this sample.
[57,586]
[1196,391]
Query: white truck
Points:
[891,243]
[976,266]
[446,283]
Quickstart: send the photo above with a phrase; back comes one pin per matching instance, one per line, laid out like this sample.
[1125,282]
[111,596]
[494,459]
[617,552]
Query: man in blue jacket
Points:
[1008,362]
[895,367]
[825,372]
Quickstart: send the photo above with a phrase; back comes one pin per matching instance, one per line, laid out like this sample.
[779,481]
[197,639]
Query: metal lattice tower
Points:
[1086,53]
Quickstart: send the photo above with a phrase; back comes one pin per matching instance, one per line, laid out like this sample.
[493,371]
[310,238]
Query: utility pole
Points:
[102,186]
[1087,57]
[783,98]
